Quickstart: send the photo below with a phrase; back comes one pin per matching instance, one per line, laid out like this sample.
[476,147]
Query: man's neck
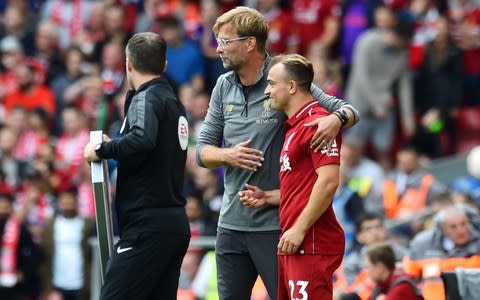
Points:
[141,79]
[250,73]
[296,102]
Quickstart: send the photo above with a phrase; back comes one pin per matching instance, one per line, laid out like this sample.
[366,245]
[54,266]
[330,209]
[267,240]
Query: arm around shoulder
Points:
[332,104]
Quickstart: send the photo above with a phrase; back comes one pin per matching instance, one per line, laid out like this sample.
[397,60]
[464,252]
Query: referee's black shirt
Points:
[151,155]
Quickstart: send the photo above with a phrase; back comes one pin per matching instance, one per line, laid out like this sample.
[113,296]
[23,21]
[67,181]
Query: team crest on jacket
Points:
[183,132]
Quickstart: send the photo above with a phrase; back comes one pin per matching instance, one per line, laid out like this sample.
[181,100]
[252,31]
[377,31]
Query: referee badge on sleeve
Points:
[183,132]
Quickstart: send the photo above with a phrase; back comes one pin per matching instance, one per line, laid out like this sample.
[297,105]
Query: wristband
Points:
[342,115]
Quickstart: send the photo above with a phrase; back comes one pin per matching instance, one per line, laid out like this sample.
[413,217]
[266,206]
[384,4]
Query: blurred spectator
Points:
[408,190]
[327,72]
[34,203]
[11,56]
[27,8]
[210,11]
[283,32]
[29,137]
[16,23]
[70,16]
[145,20]
[94,30]
[352,277]
[390,281]
[19,260]
[47,49]
[384,17]
[380,60]
[56,179]
[438,92]
[113,67]
[362,174]
[114,24]
[74,62]
[39,123]
[187,11]
[318,23]
[31,93]
[354,21]
[465,15]
[438,202]
[348,206]
[11,166]
[425,15]
[69,150]
[118,113]
[88,95]
[451,243]
[185,61]
[67,254]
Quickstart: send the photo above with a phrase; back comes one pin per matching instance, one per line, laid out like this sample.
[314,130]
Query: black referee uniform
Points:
[154,229]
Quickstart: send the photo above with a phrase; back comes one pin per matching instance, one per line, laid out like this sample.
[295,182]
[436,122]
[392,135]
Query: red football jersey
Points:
[310,15]
[297,177]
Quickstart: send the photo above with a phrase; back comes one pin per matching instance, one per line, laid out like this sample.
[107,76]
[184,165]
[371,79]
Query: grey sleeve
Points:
[332,103]
[212,128]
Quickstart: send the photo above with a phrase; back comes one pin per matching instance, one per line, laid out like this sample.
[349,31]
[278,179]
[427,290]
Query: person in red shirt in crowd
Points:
[391,283]
[311,235]
[318,22]
[31,93]
[69,145]
[29,136]
[282,29]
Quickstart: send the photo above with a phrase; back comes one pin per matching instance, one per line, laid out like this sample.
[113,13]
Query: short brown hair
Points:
[297,68]
[146,52]
[383,253]
[248,22]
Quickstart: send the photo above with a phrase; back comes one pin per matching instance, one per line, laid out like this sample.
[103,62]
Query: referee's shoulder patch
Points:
[183,132]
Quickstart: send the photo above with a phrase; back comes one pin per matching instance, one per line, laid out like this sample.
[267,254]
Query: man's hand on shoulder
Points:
[244,157]
[327,130]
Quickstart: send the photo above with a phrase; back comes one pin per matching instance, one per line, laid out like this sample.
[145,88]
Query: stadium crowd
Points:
[62,75]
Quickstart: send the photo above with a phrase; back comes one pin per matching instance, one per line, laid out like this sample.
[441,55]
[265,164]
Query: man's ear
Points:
[292,87]
[129,66]
[252,43]
[166,65]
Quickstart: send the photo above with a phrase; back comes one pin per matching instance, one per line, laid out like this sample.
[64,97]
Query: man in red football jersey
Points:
[312,242]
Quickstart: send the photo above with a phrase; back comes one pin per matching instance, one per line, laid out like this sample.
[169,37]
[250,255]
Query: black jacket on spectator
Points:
[27,263]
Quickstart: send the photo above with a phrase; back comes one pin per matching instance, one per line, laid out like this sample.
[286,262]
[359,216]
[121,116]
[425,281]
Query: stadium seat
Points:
[468,129]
